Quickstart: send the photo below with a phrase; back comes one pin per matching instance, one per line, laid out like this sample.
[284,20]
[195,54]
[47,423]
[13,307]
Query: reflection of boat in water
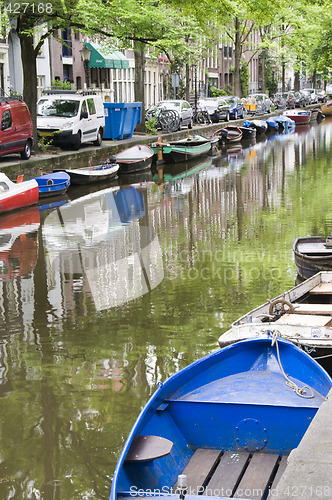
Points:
[18,242]
[179,178]
[98,236]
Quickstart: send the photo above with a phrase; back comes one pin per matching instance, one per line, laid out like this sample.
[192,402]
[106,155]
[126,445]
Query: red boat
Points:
[300,116]
[17,195]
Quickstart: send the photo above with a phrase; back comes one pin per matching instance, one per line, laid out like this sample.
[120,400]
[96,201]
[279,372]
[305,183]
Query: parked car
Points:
[329,89]
[290,99]
[322,96]
[236,107]
[217,108]
[263,103]
[182,107]
[71,119]
[16,128]
[278,101]
[312,93]
[301,99]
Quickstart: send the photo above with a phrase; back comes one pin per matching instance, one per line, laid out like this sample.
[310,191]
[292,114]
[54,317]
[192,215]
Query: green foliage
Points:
[14,93]
[215,92]
[58,84]
[150,126]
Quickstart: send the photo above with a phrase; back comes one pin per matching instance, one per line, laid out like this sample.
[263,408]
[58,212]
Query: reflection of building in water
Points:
[97,246]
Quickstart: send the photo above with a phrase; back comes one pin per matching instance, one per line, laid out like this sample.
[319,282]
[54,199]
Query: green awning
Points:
[103,57]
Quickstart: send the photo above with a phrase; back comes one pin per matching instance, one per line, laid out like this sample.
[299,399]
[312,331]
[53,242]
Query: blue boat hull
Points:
[233,400]
[55,183]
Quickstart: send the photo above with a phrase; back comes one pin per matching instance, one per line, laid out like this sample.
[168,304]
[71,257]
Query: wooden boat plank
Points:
[322,288]
[257,476]
[313,248]
[148,448]
[303,308]
[227,474]
[200,468]
[304,320]
[281,469]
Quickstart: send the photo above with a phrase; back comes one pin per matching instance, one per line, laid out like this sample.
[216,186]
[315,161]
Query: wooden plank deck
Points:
[320,309]
[233,474]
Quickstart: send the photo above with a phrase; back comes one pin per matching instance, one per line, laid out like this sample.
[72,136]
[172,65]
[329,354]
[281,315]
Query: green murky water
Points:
[114,290]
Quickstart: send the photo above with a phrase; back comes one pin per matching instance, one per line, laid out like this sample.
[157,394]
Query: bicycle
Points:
[201,116]
[167,120]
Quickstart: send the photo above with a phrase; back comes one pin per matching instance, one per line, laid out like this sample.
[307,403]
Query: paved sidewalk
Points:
[308,474]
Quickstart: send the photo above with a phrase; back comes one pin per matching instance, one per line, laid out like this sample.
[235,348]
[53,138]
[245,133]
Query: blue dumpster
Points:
[121,119]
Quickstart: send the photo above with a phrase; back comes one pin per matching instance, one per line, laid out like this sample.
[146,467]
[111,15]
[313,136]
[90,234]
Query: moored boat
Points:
[299,116]
[302,315]
[18,194]
[134,159]
[55,183]
[229,134]
[248,132]
[326,108]
[259,125]
[189,148]
[222,425]
[312,254]
[92,174]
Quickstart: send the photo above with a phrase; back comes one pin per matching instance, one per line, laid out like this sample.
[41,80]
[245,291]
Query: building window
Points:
[230,52]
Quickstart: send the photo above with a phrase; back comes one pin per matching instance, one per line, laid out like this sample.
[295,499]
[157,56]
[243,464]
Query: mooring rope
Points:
[298,390]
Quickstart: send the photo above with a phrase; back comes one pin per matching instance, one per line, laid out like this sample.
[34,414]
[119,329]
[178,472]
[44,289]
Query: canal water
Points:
[111,290]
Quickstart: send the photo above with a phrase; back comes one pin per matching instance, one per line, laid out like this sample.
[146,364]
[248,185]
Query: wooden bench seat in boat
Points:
[233,473]
[146,448]
[322,289]
[320,309]
[304,320]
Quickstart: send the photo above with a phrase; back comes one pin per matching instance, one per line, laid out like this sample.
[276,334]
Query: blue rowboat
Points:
[51,184]
[227,419]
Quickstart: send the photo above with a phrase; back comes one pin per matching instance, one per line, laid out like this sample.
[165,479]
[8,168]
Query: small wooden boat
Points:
[223,425]
[55,183]
[248,132]
[92,174]
[259,125]
[229,134]
[189,148]
[299,116]
[18,194]
[316,115]
[302,315]
[312,254]
[134,159]
[326,108]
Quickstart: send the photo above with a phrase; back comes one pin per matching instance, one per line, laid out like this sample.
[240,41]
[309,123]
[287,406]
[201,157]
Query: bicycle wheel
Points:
[169,120]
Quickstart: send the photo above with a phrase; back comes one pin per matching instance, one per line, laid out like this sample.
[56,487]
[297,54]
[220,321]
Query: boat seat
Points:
[304,320]
[146,448]
[215,474]
[321,309]
[322,289]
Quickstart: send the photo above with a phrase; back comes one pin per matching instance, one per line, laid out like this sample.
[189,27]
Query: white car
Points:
[313,95]
[182,107]
[71,119]
[329,89]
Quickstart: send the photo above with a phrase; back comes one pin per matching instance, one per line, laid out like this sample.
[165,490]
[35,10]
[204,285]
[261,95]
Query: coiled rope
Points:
[302,392]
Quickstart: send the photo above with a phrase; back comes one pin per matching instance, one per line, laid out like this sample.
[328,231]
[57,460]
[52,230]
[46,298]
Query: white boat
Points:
[302,315]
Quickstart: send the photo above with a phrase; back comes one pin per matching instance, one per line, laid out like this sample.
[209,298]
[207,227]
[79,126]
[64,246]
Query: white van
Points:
[71,119]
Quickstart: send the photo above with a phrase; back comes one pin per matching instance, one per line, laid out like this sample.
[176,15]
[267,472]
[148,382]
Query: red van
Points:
[16,128]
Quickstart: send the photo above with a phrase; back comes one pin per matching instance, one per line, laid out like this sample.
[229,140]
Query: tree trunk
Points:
[29,56]
[263,63]
[237,59]
[187,82]
[139,85]
[297,80]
